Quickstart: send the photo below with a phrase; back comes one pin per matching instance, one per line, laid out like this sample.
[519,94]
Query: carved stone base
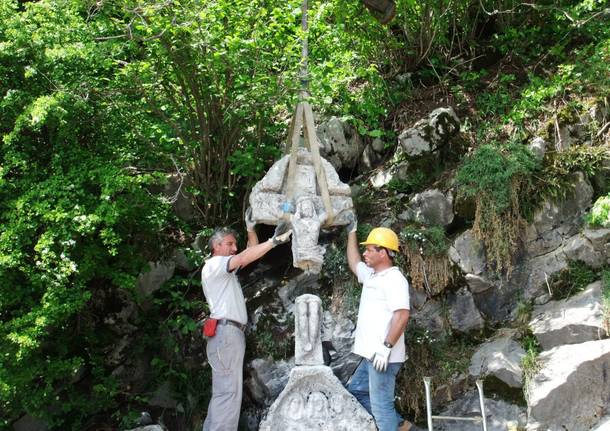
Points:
[315,400]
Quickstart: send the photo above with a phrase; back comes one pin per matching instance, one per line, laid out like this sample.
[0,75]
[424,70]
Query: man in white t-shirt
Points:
[226,349]
[383,315]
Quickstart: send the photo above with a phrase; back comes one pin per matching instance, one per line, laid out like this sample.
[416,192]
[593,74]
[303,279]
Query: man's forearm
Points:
[252,239]
[399,322]
[353,255]
[250,254]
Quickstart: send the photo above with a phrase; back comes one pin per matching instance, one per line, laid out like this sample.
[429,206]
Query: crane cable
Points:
[303,118]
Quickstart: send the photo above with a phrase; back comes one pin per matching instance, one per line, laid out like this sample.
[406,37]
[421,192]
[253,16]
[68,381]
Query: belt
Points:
[232,323]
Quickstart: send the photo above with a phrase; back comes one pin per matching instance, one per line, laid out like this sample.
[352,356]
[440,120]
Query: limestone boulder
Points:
[373,154]
[431,318]
[267,379]
[599,238]
[431,207]
[477,283]
[430,134]
[468,253]
[580,248]
[157,274]
[538,147]
[575,320]
[182,201]
[570,392]
[500,358]
[541,269]
[340,143]
[339,331]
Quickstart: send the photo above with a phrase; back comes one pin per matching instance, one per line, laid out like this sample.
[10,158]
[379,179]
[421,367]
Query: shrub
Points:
[497,177]
[600,213]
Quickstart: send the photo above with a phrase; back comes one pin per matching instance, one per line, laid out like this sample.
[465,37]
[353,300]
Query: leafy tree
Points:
[73,219]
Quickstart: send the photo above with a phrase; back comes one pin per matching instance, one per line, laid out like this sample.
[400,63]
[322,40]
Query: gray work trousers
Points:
[225,353]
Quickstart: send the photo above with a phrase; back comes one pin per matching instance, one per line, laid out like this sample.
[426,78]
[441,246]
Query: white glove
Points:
[282,234]
[381,358]
[248,219]
[352,222]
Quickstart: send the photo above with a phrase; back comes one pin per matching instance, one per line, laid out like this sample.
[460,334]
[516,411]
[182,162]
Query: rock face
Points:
[463,313]
[575,320]
[153,279]
[340,144]
[559,220]
[500,415]
[557,398]
[313,400]
[267,379]
[468,253]
[306,210]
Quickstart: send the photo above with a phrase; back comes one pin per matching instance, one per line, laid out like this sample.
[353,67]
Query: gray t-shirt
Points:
[222,290]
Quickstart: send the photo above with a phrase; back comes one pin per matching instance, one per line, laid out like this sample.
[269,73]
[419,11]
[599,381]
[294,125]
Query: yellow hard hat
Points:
[382,237]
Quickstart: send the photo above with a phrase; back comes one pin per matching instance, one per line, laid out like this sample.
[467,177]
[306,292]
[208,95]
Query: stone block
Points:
[315,400]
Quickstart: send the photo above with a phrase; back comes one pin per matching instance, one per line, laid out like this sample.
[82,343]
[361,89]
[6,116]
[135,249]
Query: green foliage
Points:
[523,313]
[599,216]
[413,183]
[267,342]
[490,172]
[336,273]
[530,363]
[499,178]
[606,298]
[572,280]
[73,220]
[557,176]
[429,241]
[99,101]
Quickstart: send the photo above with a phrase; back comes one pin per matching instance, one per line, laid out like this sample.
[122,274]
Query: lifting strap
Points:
[303,118]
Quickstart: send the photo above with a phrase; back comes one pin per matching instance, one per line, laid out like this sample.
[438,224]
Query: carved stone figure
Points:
[305,208]
[308,343]
[306,224]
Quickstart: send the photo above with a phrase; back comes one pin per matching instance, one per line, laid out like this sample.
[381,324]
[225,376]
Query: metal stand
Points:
[476,419]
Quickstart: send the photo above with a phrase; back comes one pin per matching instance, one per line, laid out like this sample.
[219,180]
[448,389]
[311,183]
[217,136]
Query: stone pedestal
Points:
[315,400]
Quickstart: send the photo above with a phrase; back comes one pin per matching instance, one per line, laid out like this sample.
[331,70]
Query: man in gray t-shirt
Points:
[225,350]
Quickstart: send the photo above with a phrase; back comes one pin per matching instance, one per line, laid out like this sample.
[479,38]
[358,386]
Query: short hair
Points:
[218,235]
[391,253]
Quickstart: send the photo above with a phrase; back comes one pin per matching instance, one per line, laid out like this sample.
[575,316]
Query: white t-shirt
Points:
[382,293]
[222,290]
